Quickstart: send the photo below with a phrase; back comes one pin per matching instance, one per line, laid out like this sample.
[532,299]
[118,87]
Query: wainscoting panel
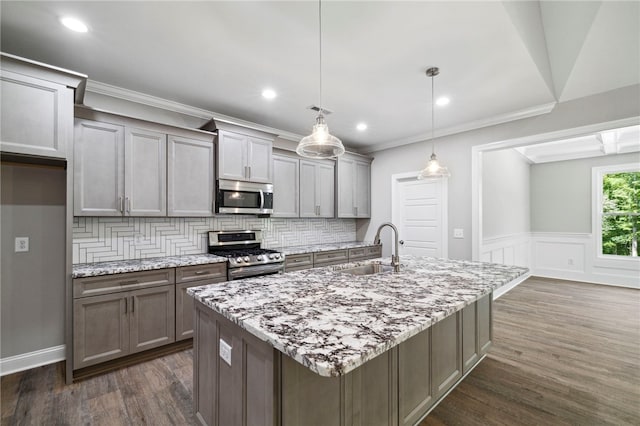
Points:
[572,256]
[507,249]
[98,239]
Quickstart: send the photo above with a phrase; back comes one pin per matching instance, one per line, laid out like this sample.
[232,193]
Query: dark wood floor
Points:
[564,353]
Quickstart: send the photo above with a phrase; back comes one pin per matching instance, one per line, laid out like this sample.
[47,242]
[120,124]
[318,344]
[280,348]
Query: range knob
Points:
[277,255]
[259,257]
[246,258]
[239,260]
[272,256]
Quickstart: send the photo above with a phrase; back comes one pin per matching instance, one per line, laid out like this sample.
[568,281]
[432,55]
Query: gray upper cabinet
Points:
[190,177]
[145,171]
[36,108]
[317,188]
[286,189]
[98,169]
[354,187]
[244,157]
[119,170]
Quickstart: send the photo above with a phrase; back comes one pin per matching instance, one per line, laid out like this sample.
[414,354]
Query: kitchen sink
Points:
[369,269]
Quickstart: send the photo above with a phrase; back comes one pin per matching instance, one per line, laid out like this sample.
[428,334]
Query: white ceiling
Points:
[499,61]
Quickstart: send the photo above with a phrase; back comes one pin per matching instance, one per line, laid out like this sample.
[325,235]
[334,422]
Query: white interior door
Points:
[420,213]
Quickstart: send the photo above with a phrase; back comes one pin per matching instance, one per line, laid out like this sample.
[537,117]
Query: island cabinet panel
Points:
[415,389]
[242,392]
[308,398]
[446,353]
[470,350]
[485,323]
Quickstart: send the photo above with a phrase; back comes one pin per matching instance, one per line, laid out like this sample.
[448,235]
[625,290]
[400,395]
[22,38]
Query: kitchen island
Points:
[324,346]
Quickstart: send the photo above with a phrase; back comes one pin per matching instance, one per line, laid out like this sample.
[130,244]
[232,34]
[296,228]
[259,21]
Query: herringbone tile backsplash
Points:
[98,239]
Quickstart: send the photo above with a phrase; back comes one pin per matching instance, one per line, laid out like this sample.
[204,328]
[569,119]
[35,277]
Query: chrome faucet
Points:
[395,259]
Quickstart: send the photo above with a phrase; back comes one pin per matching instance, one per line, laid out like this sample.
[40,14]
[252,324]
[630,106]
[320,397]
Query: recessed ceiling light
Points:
[362,127]
[269,94]
[74,24]
[442,101]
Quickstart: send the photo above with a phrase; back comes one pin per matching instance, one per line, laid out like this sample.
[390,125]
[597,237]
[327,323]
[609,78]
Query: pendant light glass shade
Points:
[434,169]
[320,143]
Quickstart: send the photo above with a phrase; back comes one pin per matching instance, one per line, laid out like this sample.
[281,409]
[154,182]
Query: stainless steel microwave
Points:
[236,197]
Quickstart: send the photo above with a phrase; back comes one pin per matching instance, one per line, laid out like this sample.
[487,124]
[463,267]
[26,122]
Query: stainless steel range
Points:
[246,258]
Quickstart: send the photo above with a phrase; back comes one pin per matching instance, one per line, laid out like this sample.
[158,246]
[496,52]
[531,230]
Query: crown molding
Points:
[177,107]
[472,125]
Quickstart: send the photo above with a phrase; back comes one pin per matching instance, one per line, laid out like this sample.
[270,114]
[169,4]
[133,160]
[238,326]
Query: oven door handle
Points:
[254,271]
[261,200]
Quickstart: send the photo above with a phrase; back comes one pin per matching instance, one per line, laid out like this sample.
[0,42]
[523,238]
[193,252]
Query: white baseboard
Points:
[29,360]
[508,287]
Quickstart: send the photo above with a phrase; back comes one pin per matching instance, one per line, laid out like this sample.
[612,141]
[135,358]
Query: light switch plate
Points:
[458,233]
[225,352]
[22,244]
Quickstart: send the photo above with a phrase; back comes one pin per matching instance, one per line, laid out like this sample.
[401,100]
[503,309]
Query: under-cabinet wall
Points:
[98,239]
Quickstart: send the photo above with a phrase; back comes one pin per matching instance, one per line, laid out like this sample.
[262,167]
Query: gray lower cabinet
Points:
[121,314]
[110,326]
[262,386]
[298,262]
[193,276]
[477,332]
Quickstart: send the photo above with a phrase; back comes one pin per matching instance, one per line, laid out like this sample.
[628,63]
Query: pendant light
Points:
[320,143]
[434,169]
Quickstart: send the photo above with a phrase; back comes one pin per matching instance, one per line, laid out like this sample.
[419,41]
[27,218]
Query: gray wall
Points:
[561,193]
[505,193]
[455,152]
[32,286]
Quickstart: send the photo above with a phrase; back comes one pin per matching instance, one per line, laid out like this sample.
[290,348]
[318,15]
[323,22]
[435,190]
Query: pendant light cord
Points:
[320,49]
[433,107]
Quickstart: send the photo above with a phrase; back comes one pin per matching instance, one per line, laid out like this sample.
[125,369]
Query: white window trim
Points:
[607,260]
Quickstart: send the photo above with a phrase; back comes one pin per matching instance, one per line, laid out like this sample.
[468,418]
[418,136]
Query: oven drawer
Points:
[105,284]
[333,257]
[209,271]
[297,262]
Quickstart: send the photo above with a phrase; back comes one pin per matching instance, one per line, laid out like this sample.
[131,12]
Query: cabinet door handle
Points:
[199,272]
[249,172]
[121,204]
[125,304]
[246,172]
[128,202]
[133,304]
[356,211]
[130,282]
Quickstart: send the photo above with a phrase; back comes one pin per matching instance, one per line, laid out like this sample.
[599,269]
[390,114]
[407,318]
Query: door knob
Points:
[401,242]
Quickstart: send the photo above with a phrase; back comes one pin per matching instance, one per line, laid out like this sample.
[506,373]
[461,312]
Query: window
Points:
[618,210]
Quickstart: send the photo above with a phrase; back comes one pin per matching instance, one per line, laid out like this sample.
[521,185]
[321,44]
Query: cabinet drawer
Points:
[104,284]
[357,253]
[208,271]
[330,257]
[374,251]
[297,262]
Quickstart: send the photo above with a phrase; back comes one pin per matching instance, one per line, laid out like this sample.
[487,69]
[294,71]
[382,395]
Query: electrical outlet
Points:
[458,233]
[22,244]
[225,352]
[570,262]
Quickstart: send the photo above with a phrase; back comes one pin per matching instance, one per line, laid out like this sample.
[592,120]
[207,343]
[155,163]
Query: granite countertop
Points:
[121,266]
[322,247]
[333,322]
